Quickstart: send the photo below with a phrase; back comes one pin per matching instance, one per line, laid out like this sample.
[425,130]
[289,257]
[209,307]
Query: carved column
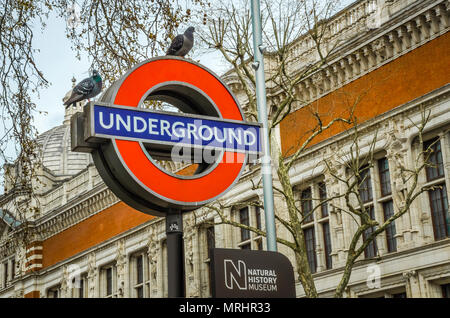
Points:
[153,256]
[320,250]
[409,225]
[346,69]
[445,148]
[191,257]
[333,81]
[21,260]
[161,278]
[339,72]
[338,241]
[317,83]
[422,26]
[415,285]
[228,240]
[313,91]
[65,286]
[18,292]
[92,275]
[441,14]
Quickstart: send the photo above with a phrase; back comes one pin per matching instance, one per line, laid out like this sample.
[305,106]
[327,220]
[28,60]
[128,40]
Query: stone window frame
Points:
[255,241]
[6,278]
[103,280]
[378,199]
[386,241]
[371,204]
[133,274]
[390,231]
[327,252]
[5,273]
[443,136]
[371,250]
[76,291]
[53,291]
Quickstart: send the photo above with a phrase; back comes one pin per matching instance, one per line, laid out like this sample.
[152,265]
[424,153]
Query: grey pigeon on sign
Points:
[182,43]
[86,89]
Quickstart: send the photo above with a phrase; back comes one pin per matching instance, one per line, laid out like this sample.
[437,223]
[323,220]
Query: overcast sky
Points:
[59,65]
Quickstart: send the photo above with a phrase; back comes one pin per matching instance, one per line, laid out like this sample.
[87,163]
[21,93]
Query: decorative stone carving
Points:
[383,49]
[189,235]
[353,64]
[189,252]
[396,149]
[412,284]
[333,171]
[65,290]
[339,72]
[153,252]
[408,274]
[346,69]
[19,293]
[21,260]
[396,42]
[91,275]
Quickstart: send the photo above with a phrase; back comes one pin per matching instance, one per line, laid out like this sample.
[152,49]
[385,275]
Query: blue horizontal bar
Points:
[175,129]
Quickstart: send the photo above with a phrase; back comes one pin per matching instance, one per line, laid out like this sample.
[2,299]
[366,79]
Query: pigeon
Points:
[182,43]
[86,89]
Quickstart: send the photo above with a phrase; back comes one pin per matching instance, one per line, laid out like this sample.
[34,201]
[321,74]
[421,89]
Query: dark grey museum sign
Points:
[251,274]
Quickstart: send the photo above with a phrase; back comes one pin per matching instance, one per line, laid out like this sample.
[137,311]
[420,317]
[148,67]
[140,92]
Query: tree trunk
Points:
[345,278]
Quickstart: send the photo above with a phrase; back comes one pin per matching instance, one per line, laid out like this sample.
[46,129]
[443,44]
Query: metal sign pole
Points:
[175,254]
[266,162]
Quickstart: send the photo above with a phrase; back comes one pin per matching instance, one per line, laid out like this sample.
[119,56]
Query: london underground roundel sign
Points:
[128,141]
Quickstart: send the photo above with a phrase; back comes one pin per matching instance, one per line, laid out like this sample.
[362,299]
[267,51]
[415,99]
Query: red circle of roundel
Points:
[204,188]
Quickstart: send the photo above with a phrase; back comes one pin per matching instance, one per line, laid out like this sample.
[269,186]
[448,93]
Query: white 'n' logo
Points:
[238,274]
